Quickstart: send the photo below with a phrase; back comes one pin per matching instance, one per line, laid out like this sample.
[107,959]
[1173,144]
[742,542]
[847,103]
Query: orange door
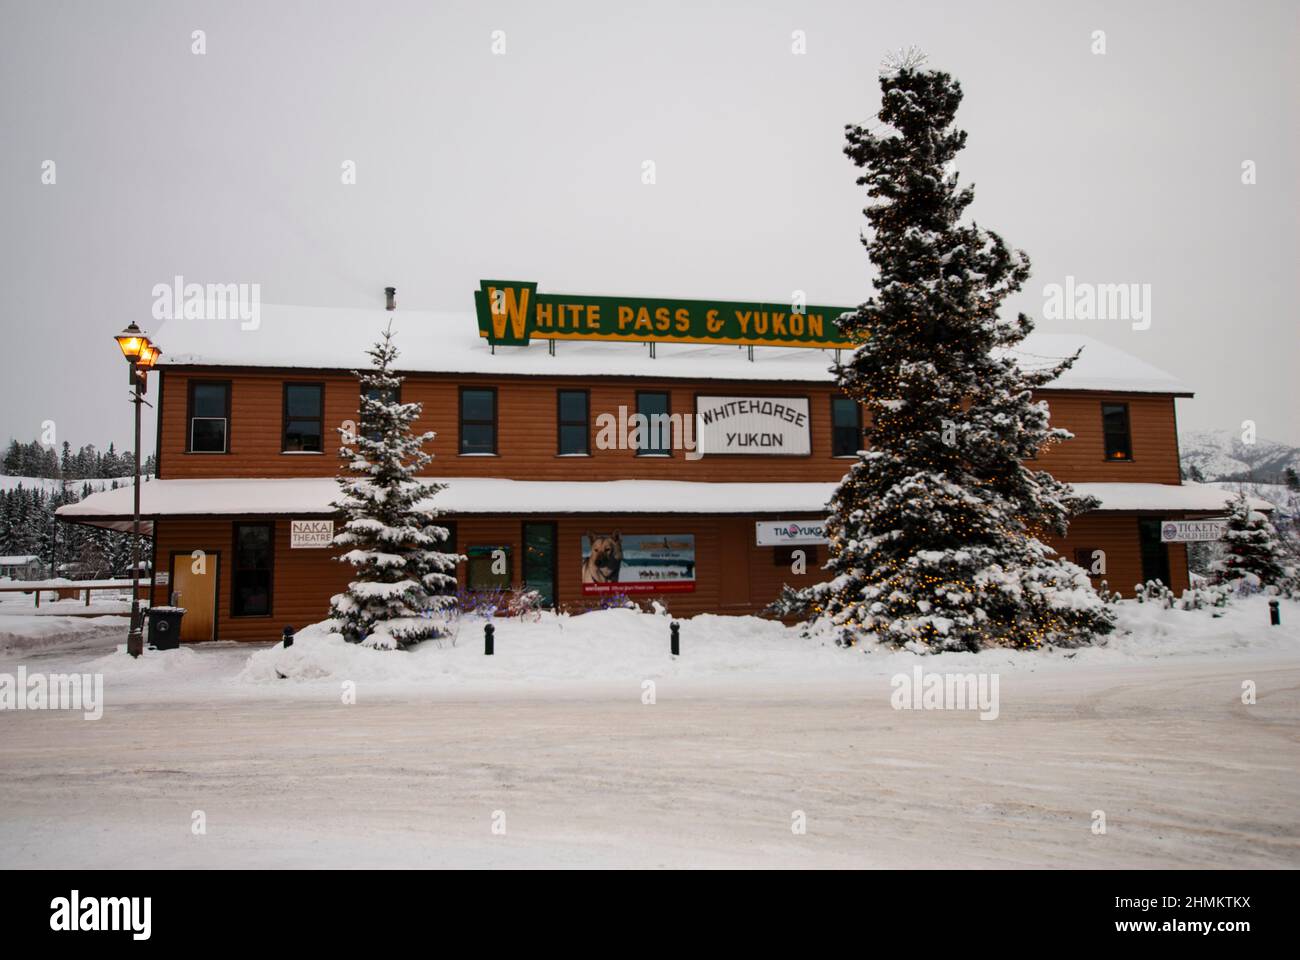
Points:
[194,587]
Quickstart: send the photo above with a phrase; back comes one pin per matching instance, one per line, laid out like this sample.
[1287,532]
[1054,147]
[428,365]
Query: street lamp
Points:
[140,353]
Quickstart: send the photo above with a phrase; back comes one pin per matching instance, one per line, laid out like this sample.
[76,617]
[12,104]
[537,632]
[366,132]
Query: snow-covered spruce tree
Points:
[934,532]
[1253,553]
[404,583]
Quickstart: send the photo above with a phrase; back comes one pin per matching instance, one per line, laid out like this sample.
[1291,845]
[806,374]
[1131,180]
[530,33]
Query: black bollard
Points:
[288,637]
[488,630]
[1274,613]
[674,631]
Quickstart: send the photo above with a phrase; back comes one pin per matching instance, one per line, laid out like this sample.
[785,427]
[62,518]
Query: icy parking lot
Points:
[752,731]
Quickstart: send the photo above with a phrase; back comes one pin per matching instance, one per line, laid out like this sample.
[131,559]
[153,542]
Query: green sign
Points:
[512,312]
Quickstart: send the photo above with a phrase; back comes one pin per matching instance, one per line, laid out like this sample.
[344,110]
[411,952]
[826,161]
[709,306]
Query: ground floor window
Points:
[488,568]
[251,573]
[1087,557]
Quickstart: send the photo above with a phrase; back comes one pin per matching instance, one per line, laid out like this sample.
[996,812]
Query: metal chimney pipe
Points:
[390,298]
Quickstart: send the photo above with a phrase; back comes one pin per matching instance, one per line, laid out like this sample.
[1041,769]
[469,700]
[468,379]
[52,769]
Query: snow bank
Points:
[181,664]
[20,632]
[618,645]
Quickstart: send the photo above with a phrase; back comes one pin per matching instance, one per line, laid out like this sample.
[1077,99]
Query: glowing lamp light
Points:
[132,340]
[149,353]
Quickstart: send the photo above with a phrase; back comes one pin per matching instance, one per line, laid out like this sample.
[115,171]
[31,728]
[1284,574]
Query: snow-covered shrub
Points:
[1154,591]
[1107,594]
[791,603]
[524,603]
[1207,596]
[513,602]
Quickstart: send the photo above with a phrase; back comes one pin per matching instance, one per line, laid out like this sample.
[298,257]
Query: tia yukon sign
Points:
[769,426]
[511,312]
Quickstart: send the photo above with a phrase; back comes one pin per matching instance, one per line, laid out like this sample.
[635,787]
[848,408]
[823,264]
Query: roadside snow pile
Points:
[1147,630]
[33,631]
[613,645]
[181,664]
[601,645]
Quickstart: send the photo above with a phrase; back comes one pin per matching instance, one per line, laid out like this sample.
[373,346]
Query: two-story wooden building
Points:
[551,485]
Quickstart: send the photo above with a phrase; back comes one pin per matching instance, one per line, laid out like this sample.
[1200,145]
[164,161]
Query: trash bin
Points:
[165,627]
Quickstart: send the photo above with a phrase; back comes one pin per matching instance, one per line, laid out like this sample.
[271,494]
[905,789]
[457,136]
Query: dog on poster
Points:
[605,558]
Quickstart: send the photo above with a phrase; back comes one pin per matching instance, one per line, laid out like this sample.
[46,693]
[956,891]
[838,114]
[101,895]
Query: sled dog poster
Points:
[637,563]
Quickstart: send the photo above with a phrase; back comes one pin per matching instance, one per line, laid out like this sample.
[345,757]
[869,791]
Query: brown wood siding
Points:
[1152,429]
[527,430]
[303,580]
[733,574]
[1117,535]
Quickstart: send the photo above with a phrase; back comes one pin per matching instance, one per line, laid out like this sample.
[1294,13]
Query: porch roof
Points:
[305,497]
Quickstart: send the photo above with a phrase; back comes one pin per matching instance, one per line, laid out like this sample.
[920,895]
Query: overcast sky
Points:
[226,167]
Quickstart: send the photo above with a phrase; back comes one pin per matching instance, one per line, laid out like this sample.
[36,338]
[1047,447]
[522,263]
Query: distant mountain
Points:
[1220,455]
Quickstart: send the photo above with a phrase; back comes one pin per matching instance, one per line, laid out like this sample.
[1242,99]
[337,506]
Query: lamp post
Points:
[140,355]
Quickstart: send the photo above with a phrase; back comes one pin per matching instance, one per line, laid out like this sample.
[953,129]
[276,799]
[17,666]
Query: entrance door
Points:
[194,587]
[539,560]
[736,533]
[1155,554]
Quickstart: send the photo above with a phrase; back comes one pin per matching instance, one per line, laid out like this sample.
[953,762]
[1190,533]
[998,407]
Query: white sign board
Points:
[310,533]
[162,578]
[778,533]
[1191,531]
[755,426]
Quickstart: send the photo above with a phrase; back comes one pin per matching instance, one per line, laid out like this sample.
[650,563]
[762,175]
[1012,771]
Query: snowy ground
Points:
[750,725]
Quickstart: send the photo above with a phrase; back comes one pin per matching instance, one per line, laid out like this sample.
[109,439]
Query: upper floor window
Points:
[250,579]
[1115,431]
[386,395]
[478,420]
[846,427]
[304,418]
[573,434]
[655,430]
[208,425]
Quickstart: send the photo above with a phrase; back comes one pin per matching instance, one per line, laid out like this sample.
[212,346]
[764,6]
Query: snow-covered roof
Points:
[432,342]
[302,497]
[1190,497]
[18,560]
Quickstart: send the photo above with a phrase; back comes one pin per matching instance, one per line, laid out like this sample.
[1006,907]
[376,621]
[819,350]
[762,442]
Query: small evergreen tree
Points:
[1253,554]
[935,531]
[404,583]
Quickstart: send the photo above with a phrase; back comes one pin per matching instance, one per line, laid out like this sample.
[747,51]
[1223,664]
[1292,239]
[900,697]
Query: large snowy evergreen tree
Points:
[935,534]
[1253,553]
[405,583]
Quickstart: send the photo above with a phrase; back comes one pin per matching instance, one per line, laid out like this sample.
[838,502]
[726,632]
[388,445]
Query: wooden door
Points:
[194,587]
[736,533]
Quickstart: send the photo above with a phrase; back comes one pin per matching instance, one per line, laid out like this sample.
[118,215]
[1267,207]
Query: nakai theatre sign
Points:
[311,533]
[512,312]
